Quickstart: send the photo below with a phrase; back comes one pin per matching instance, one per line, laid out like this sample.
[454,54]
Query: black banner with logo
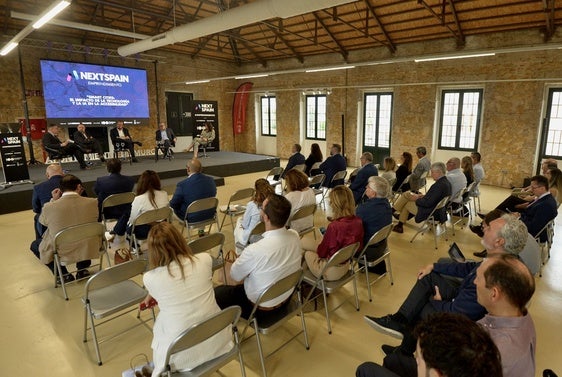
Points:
[205,112]
[14,162]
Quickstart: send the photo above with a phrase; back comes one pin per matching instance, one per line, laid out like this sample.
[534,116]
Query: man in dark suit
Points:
[332,165]
[367,170]
[114,183]
[87,143]
[540,211]
[42,194]
[421,205]
[165,139]
[297,158]
[121,134]
[196,186]
[51,141]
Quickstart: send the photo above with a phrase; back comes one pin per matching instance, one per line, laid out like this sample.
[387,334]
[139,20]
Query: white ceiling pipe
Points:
[230,19]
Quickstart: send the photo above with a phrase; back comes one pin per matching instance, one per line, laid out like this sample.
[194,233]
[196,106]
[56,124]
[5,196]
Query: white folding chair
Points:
[74,236]
[208,243]
[341,256]
[364,264]
[315,183]
[232,209]
[352,176]
[339,176]
[429,223]
[458,212]
[113,201]
[206,204]
[146,218]
[255,235]
[108,293]
[546,244]
[274,176]
[303,213]
[300,167]
[267,324]
[199,333]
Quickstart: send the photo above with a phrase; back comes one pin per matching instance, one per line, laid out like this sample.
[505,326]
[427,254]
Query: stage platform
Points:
[218,165]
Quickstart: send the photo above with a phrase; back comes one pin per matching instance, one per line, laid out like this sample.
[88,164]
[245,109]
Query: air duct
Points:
[230,19]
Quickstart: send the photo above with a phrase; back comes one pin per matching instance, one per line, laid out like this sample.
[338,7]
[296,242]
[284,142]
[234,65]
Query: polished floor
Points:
[42,333]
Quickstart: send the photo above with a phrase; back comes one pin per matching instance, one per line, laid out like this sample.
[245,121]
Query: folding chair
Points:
[153,216]
[89,233]
[233,210]
[429,223]
[56,157]
[364,264]
[315,169]
[400,190]
[255,235]
[352,176]
[167,153]
[302,213]
[109,292]
[267,324]
[547,234]
[120,150]
[199,333]
[467,199]
[475,195]
[300,167]
[316,183]
[274,176]
[113,201]
[208,243]
[341,256]
[459,212]
[339,176]
[206,204]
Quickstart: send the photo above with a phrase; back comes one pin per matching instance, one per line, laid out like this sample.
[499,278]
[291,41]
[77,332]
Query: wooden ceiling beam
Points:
[278,35]
[459,40]
[391,46]
[549,21]
[457,22]
[342,50]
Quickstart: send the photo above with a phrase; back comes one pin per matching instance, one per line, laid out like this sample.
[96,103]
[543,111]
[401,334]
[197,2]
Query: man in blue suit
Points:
[297,158]
[540,211]
[42,194]
[196,186]
[114,183]
[332,165]
[367,170]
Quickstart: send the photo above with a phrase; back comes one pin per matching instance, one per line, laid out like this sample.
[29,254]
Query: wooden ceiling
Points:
[364,24]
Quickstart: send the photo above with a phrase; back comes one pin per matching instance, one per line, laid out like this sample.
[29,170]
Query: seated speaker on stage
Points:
[56,148]
[205,138]
[120,134]
[87,143]
[165,139]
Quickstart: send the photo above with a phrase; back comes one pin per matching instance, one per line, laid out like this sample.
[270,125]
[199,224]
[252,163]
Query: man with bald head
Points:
[457,179]
[196,186]
[42,195]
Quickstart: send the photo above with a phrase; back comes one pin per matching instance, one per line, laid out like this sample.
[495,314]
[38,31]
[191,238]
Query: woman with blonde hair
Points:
[344,230]
[182,285]
[389,169]
[251,217]
[299,195]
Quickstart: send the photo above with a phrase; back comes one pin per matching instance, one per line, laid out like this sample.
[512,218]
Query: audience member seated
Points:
[375,213]
[53,144]
[196,186]
[435,292]
[149,196]
[251,217]
[114,183]
[67,208]
[403,171]
[554,176]
[165,139]
[120,134]
[332,165]
[416,182]
[504,286]
[205,138]
[299,195]
[87,143]
[263,263]
[366,171]
[182,285]
[297,158]
[314,157]
[479,173]
[457,179]
[468,171]
[42,194]
[421,205]
[344,230]
[389,170]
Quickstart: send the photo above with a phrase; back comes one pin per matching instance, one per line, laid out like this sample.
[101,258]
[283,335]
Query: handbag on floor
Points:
[122,255]
[229,259]
[139,370]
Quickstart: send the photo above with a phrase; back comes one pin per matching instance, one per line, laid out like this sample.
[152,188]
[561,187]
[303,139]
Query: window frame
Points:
[461,93]
[270,118]
[377,131]
[316,97]
[546,126]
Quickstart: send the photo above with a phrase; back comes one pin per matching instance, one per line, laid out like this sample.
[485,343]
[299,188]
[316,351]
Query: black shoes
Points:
[481,254]
[81,274]
[398,228]
[67,278]
[135,160]
[102,159]
[388,349]
[387,325]
[477,229]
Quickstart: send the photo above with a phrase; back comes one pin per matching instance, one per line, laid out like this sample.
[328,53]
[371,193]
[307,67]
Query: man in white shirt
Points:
[457,179]
[265,262]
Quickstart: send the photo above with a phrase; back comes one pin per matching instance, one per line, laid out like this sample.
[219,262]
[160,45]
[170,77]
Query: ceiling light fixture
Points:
[252,76]
[197,82]
[329,68]
[43,18]
[457,56]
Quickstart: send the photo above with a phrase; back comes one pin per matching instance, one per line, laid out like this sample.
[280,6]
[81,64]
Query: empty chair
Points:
[339,176]
[455,207]
[201,332]
[115,200]
[273,177]
[429,223]
[206,204]
[208,243]
[328,287]
[364,264]
[120,150]
[303,213]
[352,175]
[148,217]
[266,324]
[91,233]
[108,293]
[234,208]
